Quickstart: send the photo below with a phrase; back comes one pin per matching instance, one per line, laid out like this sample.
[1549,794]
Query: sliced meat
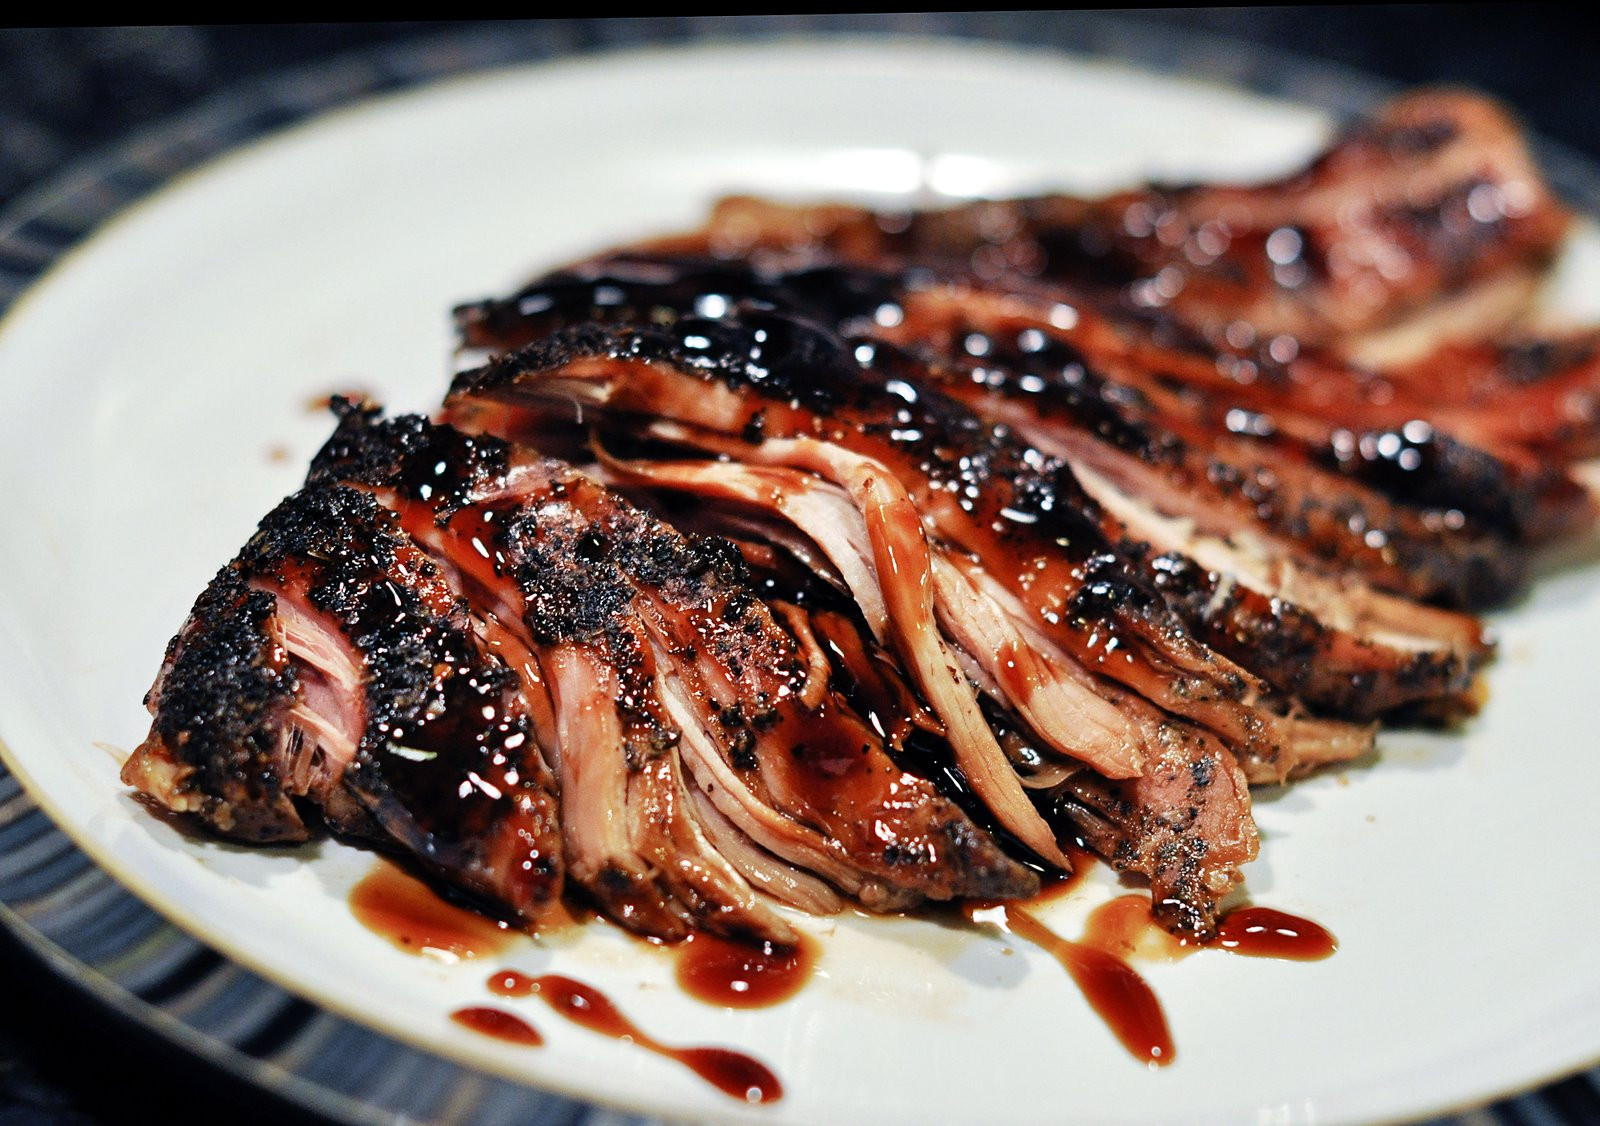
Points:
[1284,599]
[656,646]
[807,400]
[1185,824]
[1433,194]
[1406,448]
[331,667]
[1224,473]
[1182,825]
[1539,394]
[221,744]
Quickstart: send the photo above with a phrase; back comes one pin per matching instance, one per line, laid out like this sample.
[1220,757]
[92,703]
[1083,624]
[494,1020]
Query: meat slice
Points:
[1015,663]
[1432,195]
[1526,392]
[1411,512]
[1227,475]
[1176,825]
[1267,600]
[1402,431]
[1427,443]
[1184,824]
[808,400]
[666,673]
[222,744]
[330,667]
[1110,628]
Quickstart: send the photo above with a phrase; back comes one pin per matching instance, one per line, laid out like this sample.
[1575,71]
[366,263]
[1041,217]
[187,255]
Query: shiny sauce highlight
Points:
[1264,932]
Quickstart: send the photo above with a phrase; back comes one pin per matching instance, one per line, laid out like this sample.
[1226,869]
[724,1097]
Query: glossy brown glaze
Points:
[413,917]
[1123,927]
[743,975]
[499,1024]
[1115,991]
[732,1073]
[635,628]
[1263,932]
[1041,563]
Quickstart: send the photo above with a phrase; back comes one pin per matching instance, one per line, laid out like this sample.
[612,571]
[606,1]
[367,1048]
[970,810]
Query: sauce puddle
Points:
[411,915]
[732,1073]
[742,975]
[1263,932]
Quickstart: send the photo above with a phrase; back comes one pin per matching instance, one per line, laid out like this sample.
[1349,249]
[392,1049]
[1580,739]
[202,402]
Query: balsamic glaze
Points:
[1113,988]
[1123,928]
[732,1073]
[1263,932]
[718,971]
[742,975]
[499,1024]
[413,917]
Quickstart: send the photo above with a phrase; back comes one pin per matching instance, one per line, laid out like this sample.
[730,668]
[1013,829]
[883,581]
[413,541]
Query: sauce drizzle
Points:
[732,1073]
[1123,928]
[499,1024]
[1112,987]
[743,975]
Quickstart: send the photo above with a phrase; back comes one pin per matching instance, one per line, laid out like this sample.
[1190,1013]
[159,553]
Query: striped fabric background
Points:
[82,925]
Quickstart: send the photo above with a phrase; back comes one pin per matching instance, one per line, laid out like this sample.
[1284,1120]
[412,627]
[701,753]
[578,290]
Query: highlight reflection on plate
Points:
[153,380]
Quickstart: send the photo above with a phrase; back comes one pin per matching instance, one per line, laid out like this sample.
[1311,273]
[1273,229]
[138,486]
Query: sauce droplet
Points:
[510,983]
[732,1073]
[1263,932]
[743,975]
[412,916]
[500,1025]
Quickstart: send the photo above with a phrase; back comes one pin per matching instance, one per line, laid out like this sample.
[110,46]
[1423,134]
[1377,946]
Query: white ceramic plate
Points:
[154,391]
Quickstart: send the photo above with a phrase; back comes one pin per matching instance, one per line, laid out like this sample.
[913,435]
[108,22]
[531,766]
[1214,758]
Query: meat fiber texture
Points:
[826,555]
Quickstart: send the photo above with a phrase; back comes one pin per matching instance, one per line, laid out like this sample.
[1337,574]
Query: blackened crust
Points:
[219,708]
[436,464]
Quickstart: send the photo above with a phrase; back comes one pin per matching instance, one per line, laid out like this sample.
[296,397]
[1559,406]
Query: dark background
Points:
[66,92]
